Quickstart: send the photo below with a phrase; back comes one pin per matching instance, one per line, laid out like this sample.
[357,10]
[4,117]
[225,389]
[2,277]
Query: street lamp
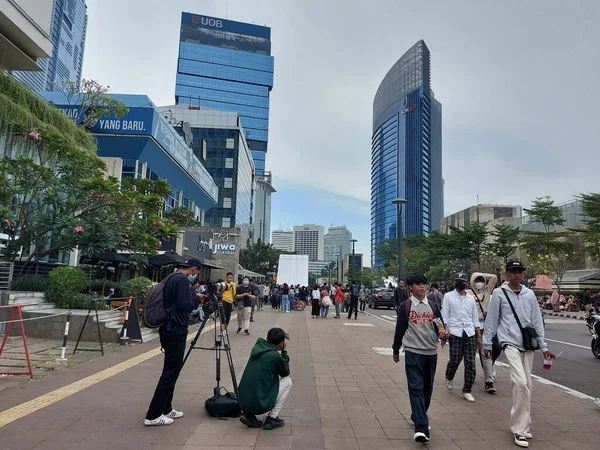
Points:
[354,241]
[399,202]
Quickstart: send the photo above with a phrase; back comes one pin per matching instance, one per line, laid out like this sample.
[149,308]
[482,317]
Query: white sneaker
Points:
[159,421]
[521,441]
[449,385]
[174,414]
[469,397]
[597,403]
[528,435]
[421,437]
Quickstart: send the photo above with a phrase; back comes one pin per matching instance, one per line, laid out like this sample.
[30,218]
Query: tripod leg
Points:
[193,343]
[98,325]
[227,346]
[82,328]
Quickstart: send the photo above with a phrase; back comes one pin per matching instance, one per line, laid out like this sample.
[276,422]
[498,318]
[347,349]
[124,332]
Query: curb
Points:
[566,316]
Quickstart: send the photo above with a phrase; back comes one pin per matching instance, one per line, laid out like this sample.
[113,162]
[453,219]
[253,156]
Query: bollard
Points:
[62,361]
[124,340]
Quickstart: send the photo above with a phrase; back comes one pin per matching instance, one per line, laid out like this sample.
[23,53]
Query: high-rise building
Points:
[406,151]
[337,243]
[227,65]
[218,141]
[67,34]
[24,34]
[262,208]
[308,240]
[490,214]
[283,240]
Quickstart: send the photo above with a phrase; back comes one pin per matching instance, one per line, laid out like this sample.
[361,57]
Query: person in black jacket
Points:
[180,301]
[418,325]
[400,294]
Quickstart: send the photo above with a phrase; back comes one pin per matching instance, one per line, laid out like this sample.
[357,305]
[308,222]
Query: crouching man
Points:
[266,381]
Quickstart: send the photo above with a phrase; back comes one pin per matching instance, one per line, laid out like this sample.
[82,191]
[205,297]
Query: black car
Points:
[381,297]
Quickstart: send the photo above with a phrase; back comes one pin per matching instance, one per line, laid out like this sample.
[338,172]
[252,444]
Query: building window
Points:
[230,143]
[228,183]
[227,202]
[229,163]
[225,222]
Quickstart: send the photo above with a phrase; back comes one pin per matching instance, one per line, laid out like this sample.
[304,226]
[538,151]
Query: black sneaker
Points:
[251,421]
[247,333]
[521,441]
[489,387]
[421,437]
[251,320]
[271,424]
[239,330]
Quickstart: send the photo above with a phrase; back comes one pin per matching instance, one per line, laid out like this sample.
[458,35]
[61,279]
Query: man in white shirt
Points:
[462,322]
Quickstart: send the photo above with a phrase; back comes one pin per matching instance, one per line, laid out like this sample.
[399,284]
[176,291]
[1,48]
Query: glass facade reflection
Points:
[227,65]
[406,151]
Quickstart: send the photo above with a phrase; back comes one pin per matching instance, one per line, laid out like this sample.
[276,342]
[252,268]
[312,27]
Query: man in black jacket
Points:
[417,327]
[180,302]
[400,295]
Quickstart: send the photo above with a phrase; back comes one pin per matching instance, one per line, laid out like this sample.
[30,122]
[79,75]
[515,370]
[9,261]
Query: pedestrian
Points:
[285,291]
[179,301]
[362,298]
[435,295]
[339,299]
[315,299]
[254,291]
[514,315]
[291,298]
[462,321]
[244,295]
[266,382]
[418,325]
[267,297]
[261,295]
[482,286]
[400,294]
[325,302]
[227,297]
[585,299]
[354,291]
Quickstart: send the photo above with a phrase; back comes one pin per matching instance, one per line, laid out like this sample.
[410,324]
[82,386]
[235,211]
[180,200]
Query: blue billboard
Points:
[215,23]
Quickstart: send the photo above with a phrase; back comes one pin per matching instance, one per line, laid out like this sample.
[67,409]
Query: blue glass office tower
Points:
[67,33]
[228,66]
[406,151]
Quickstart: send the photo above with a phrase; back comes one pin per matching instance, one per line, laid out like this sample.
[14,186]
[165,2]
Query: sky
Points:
[518,83]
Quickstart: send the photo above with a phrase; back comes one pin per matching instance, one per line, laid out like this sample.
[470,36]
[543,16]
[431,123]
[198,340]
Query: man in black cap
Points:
[179,302]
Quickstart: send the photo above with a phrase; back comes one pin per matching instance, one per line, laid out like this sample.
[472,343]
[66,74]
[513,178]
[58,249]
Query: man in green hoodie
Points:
[266,381]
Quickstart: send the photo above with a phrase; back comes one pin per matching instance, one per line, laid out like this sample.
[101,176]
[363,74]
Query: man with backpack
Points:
[178,304]
[354,292]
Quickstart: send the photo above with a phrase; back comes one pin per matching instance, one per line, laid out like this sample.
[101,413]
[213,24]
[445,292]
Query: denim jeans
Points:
[285,303]
[337,309]
[324,311]
[420,374]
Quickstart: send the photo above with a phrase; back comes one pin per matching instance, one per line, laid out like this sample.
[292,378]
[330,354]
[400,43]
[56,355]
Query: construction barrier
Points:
[16,316]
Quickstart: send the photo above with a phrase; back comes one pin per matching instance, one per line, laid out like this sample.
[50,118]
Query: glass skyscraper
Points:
[228,66]
[406,151]
[67,34]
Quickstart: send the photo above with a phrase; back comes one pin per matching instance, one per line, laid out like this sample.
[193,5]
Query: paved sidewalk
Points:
[345,396]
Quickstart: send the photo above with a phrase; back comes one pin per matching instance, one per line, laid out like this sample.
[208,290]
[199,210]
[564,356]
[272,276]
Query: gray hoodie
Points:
[500,319]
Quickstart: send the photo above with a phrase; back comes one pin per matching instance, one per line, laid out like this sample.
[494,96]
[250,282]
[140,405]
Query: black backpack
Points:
[223,405]
[155,311]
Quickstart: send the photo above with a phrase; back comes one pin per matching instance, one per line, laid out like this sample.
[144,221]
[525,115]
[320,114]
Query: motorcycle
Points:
[592,322]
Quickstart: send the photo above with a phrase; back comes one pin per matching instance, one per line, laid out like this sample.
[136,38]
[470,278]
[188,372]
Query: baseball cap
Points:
[191,263]
[514,264]
[461,276]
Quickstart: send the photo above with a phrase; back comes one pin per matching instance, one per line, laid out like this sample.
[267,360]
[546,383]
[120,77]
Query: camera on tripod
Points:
[215,291]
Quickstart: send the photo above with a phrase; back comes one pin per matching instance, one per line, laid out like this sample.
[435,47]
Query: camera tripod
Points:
[222,343]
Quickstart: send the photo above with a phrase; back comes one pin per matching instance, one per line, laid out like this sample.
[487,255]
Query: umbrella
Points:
[166,259]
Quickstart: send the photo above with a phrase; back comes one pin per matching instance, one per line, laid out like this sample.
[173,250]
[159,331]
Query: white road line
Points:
[389,317]
[381,318]
[349,324]
[568,343]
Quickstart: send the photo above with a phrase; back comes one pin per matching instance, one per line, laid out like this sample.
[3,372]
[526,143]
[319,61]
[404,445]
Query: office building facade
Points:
[262,208]
[337,243]
[228,66]
[218,140]
[351,265]
[309,240]
[490,214]
[406,151]
[283,240]
[68,29]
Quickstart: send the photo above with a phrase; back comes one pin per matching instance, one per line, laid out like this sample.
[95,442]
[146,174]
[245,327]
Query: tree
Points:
[94,102]
[543,211]
[259,257]
[556,264]
[475,237]
[590,206]
[367,277]
[415,256]
[506,241]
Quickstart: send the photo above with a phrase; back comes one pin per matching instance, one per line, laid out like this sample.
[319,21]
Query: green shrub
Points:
[137,288]
[75,300]
[68,279]
[96,286]
[30,283]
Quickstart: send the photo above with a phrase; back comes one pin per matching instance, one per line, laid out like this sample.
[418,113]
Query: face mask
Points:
[479,285]
[191,278]
[201,289]
[460,285]
[245,283]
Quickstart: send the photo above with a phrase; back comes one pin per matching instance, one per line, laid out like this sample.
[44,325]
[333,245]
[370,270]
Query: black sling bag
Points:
[530,336]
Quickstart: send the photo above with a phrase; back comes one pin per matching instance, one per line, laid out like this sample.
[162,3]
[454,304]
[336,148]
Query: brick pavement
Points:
[345,395]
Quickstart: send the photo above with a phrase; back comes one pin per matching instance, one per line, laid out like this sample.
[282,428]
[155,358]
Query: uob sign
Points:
[216,23]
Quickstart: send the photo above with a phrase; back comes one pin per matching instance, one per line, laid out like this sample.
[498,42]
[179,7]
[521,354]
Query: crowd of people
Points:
[575,303]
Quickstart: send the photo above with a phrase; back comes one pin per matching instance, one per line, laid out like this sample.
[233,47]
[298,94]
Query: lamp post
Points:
[354,241]
[399,202]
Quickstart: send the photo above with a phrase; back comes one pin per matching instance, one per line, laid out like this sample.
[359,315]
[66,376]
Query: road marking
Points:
[350,324]
[24,409]
[385,351]
[568,343]
[393,319]
[381,318]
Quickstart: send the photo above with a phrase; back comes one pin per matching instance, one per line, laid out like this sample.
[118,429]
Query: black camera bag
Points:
[223,405]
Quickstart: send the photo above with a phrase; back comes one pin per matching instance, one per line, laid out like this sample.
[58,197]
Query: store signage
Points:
[207,21]
[409,109]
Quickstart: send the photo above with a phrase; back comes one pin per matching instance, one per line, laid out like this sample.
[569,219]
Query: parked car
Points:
[381,297]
